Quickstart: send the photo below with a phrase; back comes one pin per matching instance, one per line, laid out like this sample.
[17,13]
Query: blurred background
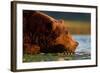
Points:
[77,23]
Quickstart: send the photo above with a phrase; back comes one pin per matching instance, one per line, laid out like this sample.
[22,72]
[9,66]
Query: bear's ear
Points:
[61,21]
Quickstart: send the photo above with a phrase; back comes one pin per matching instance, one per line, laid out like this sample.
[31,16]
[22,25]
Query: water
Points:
[83,50]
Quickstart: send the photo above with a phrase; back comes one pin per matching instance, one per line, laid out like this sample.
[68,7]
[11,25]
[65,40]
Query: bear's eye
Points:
[66,32]
[49,26]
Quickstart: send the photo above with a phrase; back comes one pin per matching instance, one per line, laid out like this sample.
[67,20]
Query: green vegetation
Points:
[54,57]
[46,57]
[78,27]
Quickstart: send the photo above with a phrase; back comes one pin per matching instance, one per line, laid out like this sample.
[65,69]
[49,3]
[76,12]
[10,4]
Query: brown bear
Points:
[43,33]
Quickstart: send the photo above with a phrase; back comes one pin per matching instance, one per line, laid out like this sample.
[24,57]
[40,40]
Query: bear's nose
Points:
[76,44]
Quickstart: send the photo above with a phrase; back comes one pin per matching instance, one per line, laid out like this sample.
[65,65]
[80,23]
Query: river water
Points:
[83,50]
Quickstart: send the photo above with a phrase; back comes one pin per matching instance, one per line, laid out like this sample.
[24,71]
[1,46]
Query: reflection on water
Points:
[83,50]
